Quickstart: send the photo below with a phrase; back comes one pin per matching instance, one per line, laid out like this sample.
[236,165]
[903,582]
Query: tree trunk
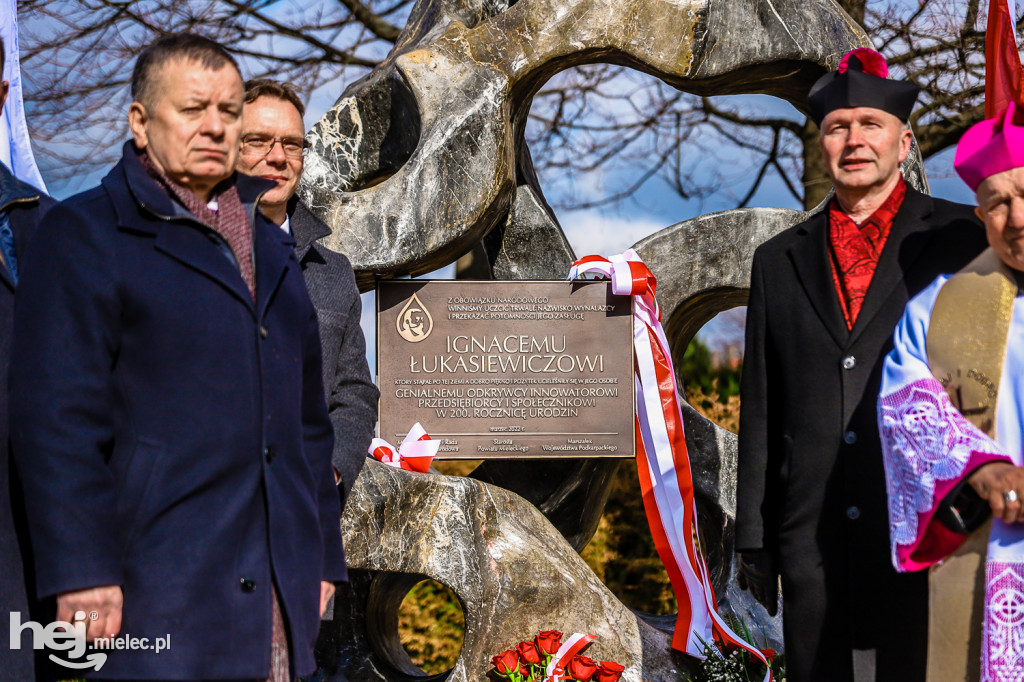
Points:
[816,183]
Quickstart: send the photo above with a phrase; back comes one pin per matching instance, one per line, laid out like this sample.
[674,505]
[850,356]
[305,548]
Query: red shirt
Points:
[854,250]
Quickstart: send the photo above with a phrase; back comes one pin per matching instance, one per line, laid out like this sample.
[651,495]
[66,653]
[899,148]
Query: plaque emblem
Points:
[414,321]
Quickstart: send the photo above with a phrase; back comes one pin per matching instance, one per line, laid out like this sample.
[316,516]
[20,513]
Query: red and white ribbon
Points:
[662,459]
[570,647]
[415,454]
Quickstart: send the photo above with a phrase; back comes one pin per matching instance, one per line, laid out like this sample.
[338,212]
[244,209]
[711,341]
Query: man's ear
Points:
[906,138]
[978,212]
[4,86]
[138,117]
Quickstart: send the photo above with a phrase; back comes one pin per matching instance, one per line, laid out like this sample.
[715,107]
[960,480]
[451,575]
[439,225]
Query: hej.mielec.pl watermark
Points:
[70,637]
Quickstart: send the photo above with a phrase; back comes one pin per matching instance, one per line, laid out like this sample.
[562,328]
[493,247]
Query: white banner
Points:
[15,148]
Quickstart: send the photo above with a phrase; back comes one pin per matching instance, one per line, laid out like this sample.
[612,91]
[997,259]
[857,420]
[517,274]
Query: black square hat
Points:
[862,81]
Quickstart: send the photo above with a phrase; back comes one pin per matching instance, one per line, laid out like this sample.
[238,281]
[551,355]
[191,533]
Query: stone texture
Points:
[417,161]
[510,568]
[529,242]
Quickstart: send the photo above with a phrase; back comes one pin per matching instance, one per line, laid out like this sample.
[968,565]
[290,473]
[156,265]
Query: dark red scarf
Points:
[230,220]
[854,250]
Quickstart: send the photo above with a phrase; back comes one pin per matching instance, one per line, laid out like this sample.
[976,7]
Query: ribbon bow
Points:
[555,671]
[415,454]
[630,276]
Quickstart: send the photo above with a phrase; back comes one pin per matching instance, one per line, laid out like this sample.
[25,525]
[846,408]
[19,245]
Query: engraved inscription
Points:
[514,369]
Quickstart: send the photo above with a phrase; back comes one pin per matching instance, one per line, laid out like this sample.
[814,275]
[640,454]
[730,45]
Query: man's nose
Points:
[854,136]
[276,154]
[1016,217]
[213,123]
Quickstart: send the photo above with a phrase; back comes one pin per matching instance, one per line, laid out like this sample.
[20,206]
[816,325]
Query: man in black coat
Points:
[21,208]
[825,297]
[272,148]
[167,409]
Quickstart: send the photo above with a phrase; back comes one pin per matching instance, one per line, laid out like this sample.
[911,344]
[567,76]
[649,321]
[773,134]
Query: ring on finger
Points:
[1010,497]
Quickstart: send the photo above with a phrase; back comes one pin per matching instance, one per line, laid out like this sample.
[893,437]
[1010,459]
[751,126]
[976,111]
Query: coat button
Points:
[269,453]
[849,362]
[248,585]
[849,437]
[852,513]
[263,332]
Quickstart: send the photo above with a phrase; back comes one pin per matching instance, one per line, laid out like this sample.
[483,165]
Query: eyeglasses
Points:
[258,144]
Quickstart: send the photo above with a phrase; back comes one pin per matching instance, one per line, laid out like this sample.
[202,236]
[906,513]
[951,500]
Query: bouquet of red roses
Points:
[529,662]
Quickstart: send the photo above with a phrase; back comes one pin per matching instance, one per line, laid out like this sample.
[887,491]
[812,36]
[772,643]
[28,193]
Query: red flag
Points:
[1003,73]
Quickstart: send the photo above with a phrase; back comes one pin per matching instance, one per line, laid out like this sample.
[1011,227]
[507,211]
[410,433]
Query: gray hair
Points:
[186,46]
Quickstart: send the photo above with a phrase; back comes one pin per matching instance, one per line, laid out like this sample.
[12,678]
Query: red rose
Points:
[528,652]
[768,653]
[506,663]
[608,671]
[581,668]
[548,641]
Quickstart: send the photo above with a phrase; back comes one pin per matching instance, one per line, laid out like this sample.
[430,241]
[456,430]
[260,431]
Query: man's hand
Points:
[326,592]
[756,574]
[1001,484]
[105,601]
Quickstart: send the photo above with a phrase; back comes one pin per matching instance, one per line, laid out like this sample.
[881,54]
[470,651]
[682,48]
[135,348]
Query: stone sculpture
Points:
[423,160]
[480,541]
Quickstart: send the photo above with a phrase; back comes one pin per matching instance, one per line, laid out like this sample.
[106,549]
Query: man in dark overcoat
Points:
[825,297]
[273,148]
[21,208]
[167,400]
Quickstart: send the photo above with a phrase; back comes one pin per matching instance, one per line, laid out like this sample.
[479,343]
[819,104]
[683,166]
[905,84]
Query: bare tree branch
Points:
[328,52]
[379,26]
[77,57]
[602,130]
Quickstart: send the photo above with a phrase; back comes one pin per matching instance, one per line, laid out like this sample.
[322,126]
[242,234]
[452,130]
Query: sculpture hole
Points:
[432,626]
[622,551]
[711,368]
[456,467]
[414,625]
[623,555]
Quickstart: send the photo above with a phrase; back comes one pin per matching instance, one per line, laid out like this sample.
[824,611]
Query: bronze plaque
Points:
[505,369]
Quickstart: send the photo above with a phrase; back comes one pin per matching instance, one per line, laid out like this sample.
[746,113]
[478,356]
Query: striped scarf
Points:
[229,220]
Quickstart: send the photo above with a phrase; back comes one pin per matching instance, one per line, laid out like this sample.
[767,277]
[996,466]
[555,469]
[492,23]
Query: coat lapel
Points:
[810,259]
[306,227]
[137,198]
[888,286]
[192,246]
[273,251]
